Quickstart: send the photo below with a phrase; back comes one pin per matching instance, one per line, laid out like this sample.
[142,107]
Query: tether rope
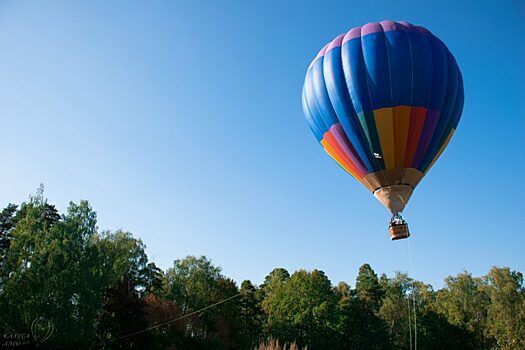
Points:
[409,311]
[413,296]
[409,272]
[180,318]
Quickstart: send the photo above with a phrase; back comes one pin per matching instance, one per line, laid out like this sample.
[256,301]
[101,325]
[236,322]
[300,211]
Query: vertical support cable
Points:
[413,297]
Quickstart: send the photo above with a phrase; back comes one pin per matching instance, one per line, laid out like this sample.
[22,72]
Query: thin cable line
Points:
[180,318]
[408,299]
[409,271]
[413,297]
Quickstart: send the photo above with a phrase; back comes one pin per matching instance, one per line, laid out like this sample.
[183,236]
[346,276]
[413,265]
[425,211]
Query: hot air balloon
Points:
[383,100]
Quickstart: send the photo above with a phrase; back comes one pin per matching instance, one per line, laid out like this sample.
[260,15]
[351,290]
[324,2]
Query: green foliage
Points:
[98,290]
[191,281]
[8,220]
[62,269]
[251,314]
[48,272]
[301,308]
[126,274]
[367,288]
[368,330]
[464,303]
[506,310]
[195,283]
[397,309]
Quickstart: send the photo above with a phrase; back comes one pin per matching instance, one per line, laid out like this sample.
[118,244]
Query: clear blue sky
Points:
[182,123]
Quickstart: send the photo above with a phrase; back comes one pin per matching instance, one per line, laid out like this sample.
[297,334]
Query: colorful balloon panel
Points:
[384,100]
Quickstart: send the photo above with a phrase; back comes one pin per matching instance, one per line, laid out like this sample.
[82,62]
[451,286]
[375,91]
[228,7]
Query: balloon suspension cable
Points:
[397,218]
[397,215]
[413,296]
[181,317]
[409,307]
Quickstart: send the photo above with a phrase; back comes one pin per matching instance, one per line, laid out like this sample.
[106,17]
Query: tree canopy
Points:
[66,284]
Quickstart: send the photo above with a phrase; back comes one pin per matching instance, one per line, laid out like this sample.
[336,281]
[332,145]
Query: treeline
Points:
[65,284]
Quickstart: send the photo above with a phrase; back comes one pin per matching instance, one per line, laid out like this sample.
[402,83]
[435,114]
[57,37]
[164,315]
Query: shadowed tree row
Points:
[99,291]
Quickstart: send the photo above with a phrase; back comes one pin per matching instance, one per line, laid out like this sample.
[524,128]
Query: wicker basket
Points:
[398,231]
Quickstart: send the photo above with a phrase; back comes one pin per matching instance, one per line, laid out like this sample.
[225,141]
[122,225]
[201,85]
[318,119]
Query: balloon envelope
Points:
[384,100]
